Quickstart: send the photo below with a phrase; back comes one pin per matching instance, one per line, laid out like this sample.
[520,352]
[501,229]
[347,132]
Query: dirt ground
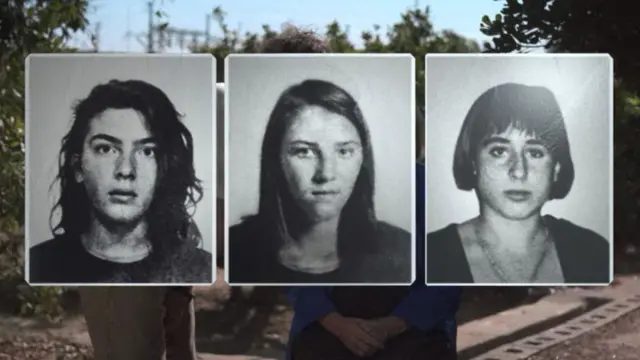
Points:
[229,321]
[33,347]
[256,321]
[619,340]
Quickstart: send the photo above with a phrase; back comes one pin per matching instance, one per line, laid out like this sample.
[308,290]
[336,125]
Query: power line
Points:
[95,37]
[150,29]
[92,44]
[158,37]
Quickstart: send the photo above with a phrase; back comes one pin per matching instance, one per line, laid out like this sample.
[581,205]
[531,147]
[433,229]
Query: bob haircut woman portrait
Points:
[514,152]
[316,221]
[128,188]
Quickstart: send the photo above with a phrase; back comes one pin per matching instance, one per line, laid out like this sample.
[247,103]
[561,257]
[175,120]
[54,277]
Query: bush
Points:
[16,296]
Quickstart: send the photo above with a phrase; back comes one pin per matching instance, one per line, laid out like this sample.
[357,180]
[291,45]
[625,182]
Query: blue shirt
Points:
[424,307]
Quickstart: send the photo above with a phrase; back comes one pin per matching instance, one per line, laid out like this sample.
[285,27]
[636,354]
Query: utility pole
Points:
[207,30]
[157,37]
[183,38]
[151,29]
[95,38]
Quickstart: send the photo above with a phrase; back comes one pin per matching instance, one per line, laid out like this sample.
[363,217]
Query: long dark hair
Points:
[178,189]
[278,211]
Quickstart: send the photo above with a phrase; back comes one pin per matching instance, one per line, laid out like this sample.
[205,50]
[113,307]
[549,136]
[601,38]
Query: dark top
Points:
[430,309]
[251,262]
[583,254]
[63,260]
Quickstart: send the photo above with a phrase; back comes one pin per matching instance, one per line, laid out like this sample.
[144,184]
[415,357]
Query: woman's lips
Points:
[324,195]
[518,195]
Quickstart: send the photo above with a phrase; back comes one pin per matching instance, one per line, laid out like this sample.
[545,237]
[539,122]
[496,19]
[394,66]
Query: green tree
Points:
[413,33]
[577,26]
[574,26]
[26,27]
[338,38]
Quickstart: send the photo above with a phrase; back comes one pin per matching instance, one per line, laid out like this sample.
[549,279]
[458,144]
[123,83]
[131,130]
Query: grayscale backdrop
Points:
[582,88]
[56,83]
[383,86]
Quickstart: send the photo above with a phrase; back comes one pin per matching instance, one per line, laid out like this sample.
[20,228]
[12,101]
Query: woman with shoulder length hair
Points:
[316,220]
[513,151]
[127,183]
[343,322]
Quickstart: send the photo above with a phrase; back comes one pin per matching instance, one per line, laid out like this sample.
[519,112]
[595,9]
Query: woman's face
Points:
[321,157]
[515,174]
[118,165]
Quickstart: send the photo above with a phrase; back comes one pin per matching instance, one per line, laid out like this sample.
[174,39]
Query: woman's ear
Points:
[556,171]
[77,168]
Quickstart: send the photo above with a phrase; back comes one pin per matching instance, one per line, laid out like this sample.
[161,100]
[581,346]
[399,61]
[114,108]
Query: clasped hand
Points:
[362,337]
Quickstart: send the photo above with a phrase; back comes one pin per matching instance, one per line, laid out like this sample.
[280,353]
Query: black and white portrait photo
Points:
[120,179]
[520,169]
[320,167]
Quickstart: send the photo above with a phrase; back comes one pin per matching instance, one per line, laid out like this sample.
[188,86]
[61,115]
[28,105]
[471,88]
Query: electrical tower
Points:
[158,37]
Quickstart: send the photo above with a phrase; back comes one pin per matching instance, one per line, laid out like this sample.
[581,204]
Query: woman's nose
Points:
[125,167]
[325,171]
[518,167]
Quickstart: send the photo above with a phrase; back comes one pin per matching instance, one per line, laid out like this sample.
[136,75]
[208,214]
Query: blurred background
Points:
[243,320]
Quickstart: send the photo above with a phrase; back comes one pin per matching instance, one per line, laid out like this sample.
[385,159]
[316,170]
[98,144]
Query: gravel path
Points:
[40,348]
[619,340]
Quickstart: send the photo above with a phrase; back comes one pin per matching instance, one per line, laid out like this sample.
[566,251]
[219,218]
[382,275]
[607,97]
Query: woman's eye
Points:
[536,153]
[149,152]
[497,151]
[303,153]
[103,149]
[346,152]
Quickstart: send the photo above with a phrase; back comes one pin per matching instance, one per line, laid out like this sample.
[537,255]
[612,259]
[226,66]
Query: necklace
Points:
[498,270]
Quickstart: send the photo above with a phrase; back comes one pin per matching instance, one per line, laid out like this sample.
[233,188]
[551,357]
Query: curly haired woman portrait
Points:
[128,190]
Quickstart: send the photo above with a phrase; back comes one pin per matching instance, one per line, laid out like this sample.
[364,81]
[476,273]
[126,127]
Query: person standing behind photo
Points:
[151,322]
[353,322]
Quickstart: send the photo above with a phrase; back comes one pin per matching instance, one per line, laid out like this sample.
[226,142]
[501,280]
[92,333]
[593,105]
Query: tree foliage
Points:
[34,26]
[413,33]
[25,27]
[575,26]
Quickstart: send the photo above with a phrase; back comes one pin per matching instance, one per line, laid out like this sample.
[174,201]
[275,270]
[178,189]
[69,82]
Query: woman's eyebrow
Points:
[114,140]
[494,140]
[535,142]
[503,141]
[314,144]
[303,142]
[145,141]
[348,142]
[105,137]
